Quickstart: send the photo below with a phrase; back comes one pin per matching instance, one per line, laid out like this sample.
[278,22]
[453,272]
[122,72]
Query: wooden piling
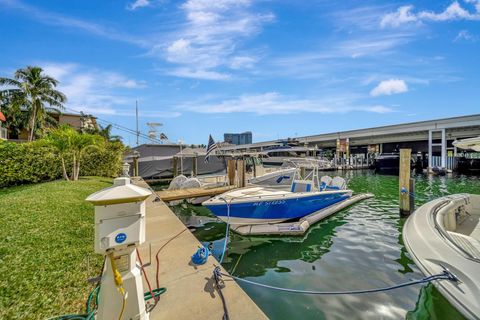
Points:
[194,166]
[231,172]
[404,181]
[175,167]
[135,166]
[241,173]
[302,172]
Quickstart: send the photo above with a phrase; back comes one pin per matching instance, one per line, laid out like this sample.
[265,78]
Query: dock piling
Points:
[175,167]
[231,172]
[404,182]
[136,155]
[194,166]
[241,173]
[302,172]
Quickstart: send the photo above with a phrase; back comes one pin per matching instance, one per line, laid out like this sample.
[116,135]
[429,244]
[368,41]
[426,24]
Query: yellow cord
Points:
[117,277]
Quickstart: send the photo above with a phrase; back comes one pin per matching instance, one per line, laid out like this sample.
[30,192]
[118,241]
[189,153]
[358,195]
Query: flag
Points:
[210,147]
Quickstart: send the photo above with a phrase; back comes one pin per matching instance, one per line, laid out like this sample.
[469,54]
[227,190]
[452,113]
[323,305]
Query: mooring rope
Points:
[445,275]
[227,231]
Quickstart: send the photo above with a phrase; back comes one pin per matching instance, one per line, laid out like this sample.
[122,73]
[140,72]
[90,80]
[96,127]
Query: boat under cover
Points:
[282,177]
[260,205]
[445,234]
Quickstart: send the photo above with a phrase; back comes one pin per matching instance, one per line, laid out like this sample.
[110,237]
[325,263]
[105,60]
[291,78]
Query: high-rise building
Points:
[238,138]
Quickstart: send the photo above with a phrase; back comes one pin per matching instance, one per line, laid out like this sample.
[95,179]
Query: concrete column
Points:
[347,150]
[429,150]
[444,149]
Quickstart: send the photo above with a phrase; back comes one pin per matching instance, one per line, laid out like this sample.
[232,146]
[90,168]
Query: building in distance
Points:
[238,138]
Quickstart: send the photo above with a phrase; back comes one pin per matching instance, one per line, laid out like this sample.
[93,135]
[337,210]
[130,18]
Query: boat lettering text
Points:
[269,203]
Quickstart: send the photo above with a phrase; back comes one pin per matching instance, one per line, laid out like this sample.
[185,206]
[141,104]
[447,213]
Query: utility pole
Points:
[136,114]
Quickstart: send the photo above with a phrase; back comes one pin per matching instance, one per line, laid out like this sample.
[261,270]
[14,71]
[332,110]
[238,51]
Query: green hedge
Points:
[105,162]
[22,163]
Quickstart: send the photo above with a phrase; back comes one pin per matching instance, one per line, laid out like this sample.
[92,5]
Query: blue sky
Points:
[276,68]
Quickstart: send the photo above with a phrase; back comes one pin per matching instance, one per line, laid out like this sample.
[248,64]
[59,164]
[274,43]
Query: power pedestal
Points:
[119,230]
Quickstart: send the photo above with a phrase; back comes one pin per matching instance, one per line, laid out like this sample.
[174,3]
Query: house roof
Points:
[2,117]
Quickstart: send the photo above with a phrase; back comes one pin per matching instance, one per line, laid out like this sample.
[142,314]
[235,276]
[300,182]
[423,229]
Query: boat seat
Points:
[468,244]
[450,221]
[325,181]
[301,186]
[338,183]
[468,224]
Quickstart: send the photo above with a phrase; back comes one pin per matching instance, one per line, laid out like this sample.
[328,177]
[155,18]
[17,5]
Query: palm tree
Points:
[106,132]
[81,142]
[61,140]
[34,91]
[69,142]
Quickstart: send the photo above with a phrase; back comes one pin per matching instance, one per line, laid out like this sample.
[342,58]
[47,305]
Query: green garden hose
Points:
[92,305]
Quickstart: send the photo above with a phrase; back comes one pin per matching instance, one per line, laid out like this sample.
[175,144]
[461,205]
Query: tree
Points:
[70,143]
[61,140]
[80,143]
[106,132]
[17,120]
[35,92]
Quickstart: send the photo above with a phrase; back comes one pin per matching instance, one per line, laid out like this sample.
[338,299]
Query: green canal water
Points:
[360,247]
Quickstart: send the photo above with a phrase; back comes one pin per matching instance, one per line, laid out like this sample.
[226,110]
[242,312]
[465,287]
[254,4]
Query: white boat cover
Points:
[472,143]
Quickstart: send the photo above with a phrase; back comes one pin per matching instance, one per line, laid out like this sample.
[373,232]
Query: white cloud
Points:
[198,74]
[465,35]
[401,16]
[138,4]
[56,19]
[92,90]
[242,62]
[275,103]
[454,11]
[207,44]
[389,87]
[371,45]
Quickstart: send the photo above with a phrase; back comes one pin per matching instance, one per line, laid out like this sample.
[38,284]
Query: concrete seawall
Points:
[191,289]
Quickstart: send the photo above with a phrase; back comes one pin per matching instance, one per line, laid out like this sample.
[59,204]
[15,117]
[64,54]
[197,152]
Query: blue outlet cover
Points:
[121,237]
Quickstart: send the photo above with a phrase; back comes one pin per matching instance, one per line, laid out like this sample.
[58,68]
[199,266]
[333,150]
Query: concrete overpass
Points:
[432,136]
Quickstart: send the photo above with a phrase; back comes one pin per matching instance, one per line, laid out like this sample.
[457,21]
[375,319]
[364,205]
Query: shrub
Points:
[38,162]
[105,162]
[27,163]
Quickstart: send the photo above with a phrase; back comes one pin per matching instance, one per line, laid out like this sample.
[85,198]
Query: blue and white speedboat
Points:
[263,205]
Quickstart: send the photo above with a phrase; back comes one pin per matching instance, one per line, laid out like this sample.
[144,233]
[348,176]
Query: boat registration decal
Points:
[269,203]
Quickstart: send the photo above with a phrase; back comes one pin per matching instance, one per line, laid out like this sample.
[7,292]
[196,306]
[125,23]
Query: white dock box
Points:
[119,215]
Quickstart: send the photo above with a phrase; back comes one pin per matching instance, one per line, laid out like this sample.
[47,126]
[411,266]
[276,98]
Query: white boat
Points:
[281,178]
[308,163]
[471,143]
[264,205]
[445,234]
[279,156]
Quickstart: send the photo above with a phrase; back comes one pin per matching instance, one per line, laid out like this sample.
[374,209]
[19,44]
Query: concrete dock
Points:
[191,289]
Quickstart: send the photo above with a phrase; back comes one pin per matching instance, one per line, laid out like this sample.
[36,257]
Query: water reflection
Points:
[360,247]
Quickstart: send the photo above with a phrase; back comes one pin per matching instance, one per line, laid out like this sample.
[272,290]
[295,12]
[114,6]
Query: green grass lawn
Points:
[46,245]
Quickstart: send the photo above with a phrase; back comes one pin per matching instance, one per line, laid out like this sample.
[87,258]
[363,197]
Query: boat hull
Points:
[261,211]
[432,252]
